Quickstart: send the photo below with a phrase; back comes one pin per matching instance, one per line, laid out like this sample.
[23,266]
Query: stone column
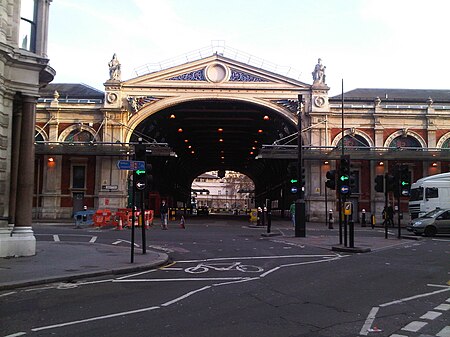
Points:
[22,234]
[15,144]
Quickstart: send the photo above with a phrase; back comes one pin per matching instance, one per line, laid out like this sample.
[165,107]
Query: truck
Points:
[429,193]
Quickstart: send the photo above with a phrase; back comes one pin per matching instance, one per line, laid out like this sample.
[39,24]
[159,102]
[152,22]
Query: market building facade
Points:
[221,104]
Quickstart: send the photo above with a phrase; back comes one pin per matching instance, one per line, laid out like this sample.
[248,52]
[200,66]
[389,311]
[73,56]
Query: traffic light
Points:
[293,178]
[140,179]
[344,176]
[390,183]
[303,178]
[405,181]
[379,183]
[148,172]
[139,176]
[139,152]
[331,182]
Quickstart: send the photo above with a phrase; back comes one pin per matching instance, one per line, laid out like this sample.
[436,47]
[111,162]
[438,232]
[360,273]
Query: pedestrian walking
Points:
[164,210]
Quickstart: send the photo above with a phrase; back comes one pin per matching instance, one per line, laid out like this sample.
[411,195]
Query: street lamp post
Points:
[300,207]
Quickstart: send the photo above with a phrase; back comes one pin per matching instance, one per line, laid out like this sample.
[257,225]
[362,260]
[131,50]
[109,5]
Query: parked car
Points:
[432,223]
[202,210]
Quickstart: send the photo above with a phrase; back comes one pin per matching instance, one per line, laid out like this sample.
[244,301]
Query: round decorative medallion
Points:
[216,73]
[111,97]
[319,101]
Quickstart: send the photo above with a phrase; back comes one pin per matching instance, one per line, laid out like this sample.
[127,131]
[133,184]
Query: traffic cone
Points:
[120,225]
[182,222]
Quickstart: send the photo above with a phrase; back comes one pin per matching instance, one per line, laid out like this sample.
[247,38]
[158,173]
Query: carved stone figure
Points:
[319,72]
[114,68]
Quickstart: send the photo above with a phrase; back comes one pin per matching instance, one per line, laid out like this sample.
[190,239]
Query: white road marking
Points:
[181,279]
[56,238]
[414,297]
[7,294]
[93,239]
[123,313]
[431,315]
[444,332]
[184,296]
[364,331]
[369,321]
[17,334]
[261,257]
[120,240]
[414,326]
[443,307]
[180,298]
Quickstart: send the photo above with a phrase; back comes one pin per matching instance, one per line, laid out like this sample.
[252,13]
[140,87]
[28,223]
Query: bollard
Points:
[363,218]
[373,221]
[330,219]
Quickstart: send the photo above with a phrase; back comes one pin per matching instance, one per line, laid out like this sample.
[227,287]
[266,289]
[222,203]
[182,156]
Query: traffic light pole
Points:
[300,207]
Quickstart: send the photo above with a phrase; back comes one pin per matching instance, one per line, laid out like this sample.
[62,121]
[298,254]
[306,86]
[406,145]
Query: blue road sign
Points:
[345,189]
[130,165]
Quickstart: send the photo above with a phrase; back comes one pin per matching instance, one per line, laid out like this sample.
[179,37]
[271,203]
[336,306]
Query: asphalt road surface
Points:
[227,280]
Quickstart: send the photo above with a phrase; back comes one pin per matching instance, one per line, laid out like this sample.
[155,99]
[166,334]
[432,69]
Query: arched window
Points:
[353,141]
[402,141]
[80,136]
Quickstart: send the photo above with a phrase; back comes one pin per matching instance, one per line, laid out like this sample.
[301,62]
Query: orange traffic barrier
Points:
[148,218]
[102,217]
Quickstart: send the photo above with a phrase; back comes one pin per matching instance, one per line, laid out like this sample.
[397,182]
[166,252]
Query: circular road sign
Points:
[345,189]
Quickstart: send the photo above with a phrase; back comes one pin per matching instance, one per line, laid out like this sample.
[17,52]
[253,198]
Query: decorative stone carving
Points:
[240,76]
[319,73]
[319,101]
[197,75]
[137,102]
[377,101]
[111,97]
[114,69]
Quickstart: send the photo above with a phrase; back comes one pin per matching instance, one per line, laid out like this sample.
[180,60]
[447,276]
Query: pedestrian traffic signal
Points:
[331,182]
[379,183]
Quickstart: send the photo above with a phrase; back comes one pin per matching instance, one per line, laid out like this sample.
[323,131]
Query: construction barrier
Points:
[84,218]
[148,217]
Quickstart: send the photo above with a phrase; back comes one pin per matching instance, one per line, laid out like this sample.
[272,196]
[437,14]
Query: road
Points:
[228,280]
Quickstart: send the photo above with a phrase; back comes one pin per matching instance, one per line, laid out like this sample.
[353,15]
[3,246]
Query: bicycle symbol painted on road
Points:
[204,267]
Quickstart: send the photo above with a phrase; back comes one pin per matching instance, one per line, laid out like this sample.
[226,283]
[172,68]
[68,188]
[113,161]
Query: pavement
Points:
[69,261]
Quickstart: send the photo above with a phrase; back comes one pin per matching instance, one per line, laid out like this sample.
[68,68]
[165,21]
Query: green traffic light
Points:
[293,181]
[139,172]
[404,183]
[343,178]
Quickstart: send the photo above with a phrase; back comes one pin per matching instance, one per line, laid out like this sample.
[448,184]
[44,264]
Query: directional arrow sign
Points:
[130,165]
[343,178]
[139,172]
[404,183]
[294,181]
[140,186]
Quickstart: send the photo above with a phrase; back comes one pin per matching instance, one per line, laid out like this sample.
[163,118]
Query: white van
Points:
[429,193]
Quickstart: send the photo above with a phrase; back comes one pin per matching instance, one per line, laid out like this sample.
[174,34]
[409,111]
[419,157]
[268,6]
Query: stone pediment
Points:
[215,70]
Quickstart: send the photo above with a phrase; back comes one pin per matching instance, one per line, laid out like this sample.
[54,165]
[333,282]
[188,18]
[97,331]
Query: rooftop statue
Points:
[114,68]
[319,73]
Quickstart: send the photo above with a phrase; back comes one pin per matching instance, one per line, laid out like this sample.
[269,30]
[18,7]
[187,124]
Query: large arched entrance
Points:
[213,134]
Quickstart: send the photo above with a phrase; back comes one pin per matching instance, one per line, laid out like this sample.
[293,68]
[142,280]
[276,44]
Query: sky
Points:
[362,43]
